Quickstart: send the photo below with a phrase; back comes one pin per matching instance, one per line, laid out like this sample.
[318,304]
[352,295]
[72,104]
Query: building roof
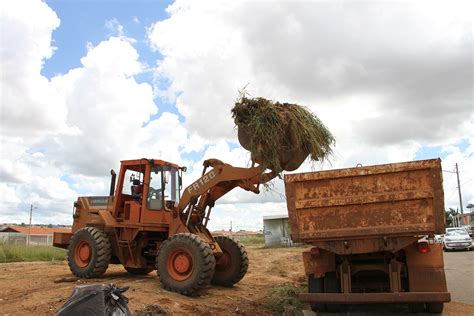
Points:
[35,230]
[275,217]
[235,233]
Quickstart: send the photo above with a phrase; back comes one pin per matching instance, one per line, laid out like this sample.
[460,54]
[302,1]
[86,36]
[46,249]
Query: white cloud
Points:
[30,108]
[411,63]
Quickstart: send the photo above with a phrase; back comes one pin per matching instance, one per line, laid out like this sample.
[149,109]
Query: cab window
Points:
[155,190]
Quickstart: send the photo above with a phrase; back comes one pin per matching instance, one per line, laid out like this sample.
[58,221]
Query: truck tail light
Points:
[315,252]
[423,246]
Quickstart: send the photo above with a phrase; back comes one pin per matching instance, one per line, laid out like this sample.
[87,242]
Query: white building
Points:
[276,230]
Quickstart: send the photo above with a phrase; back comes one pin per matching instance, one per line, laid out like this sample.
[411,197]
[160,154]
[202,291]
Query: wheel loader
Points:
[148,222]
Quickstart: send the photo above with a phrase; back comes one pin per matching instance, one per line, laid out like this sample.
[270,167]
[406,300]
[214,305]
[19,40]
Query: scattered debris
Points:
[280,136]
[152,310]
[66,279]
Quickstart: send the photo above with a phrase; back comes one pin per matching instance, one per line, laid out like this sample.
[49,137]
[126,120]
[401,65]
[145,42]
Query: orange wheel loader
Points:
[149,223]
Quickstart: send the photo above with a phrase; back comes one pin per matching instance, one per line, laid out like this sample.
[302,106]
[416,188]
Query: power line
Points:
[469,156]
[467,181]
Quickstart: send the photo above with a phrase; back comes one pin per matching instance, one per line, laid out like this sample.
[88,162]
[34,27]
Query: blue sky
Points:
[158,79]
[84,22]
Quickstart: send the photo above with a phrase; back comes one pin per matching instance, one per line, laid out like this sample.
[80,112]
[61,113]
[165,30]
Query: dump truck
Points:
[371,230]
[152,224]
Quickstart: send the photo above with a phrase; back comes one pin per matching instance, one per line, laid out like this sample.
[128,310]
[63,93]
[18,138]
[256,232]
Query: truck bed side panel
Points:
[401,199]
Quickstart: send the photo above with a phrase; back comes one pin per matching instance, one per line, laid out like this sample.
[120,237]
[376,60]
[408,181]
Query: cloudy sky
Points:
[85,84]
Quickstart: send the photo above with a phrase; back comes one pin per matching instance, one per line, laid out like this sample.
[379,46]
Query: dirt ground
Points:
[29,288]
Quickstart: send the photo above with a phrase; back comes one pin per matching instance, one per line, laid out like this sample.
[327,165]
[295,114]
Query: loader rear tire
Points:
[232,265]
[138,271]
[185,264]
[316,285]
[89,252]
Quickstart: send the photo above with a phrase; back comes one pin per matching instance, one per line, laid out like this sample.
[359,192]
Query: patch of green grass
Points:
[283,299]
[257,240]
[17,253]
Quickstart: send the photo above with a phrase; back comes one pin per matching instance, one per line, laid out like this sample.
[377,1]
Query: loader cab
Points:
[147,191]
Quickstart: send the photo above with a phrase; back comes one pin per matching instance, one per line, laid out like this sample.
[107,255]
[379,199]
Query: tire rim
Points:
[82,254]
[180,264]
[224,261]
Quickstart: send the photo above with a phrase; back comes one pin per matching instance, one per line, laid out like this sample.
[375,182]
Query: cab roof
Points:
[144,161]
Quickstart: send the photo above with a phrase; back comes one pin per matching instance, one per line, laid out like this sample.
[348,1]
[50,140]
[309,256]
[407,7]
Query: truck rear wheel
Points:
[185,264]
[435,308]
[232,265]
[138,271]
[332,285]
[89,253]
[316,285]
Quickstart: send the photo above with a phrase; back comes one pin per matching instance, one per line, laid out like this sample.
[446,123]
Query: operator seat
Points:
[137,190]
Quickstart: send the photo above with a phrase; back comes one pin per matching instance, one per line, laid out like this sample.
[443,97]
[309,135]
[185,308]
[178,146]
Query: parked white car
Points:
[456,238]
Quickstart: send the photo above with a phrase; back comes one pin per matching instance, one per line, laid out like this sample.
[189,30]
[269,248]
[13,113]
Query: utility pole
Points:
[460,196]
[29,228]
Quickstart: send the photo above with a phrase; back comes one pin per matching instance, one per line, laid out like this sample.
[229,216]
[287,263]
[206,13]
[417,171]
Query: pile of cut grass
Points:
[18,253]
[283,299]
[280,135]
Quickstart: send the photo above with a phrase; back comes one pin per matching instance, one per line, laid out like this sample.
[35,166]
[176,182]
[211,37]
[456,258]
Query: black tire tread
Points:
[435,308]
[103,250]
[316,285]
[243,264]
[331,285]
[206,272]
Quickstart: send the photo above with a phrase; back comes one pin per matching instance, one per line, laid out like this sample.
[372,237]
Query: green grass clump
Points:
[257,240]
[17,253]
[274,132]
[283,299]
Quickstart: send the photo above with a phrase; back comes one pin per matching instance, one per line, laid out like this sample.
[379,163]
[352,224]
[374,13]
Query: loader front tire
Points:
[185,264]
[89,252]
[232,265]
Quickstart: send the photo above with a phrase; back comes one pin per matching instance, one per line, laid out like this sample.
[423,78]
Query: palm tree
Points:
[451,216]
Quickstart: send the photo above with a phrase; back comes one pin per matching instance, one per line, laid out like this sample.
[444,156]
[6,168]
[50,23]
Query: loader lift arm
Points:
[195,205]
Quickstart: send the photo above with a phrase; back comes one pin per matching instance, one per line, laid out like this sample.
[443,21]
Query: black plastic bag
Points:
[96,300]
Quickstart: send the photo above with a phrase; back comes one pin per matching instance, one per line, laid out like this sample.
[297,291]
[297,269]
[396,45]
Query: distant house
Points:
[276,230]
[241,234]
[39,235]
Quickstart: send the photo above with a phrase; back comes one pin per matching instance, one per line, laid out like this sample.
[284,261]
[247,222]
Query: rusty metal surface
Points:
[318,265]
[400,199]
[368,298]
[426,270]
[359,246]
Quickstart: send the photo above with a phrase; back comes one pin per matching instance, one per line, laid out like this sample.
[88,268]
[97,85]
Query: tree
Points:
[450,215]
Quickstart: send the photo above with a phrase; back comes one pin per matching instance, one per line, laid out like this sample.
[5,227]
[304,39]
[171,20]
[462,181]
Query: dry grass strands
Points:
[280,136]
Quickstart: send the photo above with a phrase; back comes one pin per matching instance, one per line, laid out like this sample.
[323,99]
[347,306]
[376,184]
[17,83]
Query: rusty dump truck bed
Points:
[399,199]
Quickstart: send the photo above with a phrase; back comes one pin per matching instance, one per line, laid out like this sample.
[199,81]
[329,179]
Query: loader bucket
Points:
[280,136]
[289,158]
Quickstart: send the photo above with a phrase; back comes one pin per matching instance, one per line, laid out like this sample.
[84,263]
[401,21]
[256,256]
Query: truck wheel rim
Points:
[224,261]
[180,264]
[82,254]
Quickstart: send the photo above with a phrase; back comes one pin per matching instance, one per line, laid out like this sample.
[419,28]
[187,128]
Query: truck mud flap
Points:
[368,298]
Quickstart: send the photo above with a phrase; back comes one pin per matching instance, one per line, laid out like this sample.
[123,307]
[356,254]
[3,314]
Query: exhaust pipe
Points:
[112,182]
